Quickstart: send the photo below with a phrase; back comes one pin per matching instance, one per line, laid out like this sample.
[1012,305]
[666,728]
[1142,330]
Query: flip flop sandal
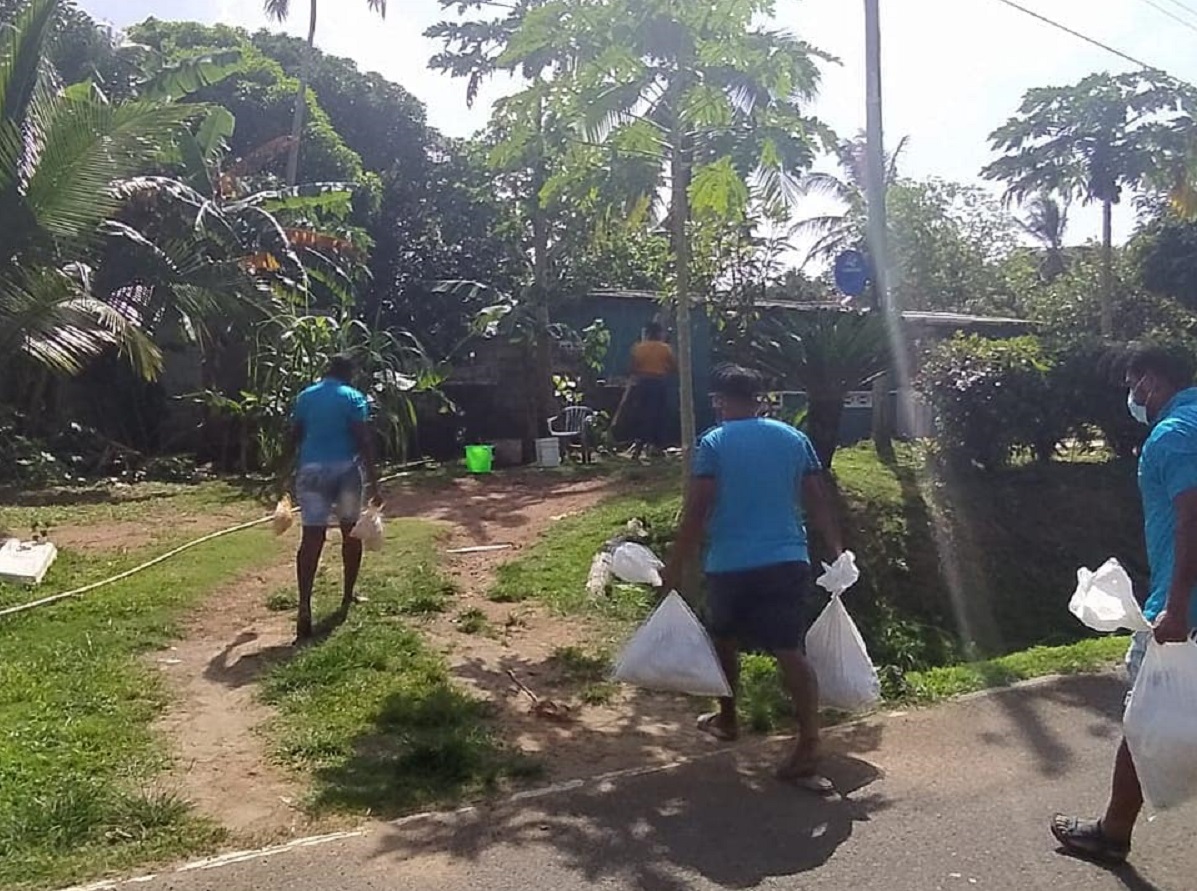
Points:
[1085,839]
[807,780]
[709,724]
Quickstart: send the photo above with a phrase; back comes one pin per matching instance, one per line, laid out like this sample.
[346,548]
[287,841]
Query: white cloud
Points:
[954,69]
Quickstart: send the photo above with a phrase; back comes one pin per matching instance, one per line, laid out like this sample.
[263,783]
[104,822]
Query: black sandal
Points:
[1087,840]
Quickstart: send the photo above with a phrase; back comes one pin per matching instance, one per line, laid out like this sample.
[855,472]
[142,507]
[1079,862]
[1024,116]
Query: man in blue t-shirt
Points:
[1160,396]
[754,482]
[335,449]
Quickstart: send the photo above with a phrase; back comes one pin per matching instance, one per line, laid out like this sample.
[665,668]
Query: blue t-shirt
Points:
[326,412]
[1167,468]
[758,466]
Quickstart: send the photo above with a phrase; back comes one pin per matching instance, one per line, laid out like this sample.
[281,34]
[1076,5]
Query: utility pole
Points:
[878,229]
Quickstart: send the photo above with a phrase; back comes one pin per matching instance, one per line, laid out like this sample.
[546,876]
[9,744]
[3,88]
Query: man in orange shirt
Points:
[652,363]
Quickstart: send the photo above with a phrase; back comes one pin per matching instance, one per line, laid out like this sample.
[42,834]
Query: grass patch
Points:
[78,759]
[373,713]
[554,570]
[282,601]
[472,621]
[1085,656]
[579,667]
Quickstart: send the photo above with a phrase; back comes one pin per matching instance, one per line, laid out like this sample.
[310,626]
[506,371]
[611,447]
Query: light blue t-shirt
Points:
[327,411]
[758,466]
[1167,468]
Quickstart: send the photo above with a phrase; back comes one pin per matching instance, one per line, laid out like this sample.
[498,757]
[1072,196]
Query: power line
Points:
[1170,14]
[1183,6]
[1085,37]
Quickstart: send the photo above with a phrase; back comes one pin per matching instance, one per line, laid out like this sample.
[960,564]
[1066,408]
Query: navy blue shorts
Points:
[765,609]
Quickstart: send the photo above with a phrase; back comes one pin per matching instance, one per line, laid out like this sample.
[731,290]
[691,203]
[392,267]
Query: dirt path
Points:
[622,729]
[222,764]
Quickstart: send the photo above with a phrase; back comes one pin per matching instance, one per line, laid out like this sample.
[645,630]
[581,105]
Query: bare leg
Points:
[307,561]
[729,658]
[1126,799]
[803,686]
[351,559]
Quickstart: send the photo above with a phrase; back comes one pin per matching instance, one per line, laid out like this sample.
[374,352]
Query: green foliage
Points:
[991,397]
[826,353]
[995,399]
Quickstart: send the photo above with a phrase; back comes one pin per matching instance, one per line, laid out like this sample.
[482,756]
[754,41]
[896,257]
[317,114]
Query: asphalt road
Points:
[955,797]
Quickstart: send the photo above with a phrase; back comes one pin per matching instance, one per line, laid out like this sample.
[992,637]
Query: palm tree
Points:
[833,233]
[63,157]
[827,353]
[280,11]
[715,101]
[1092,141]
[1046,221]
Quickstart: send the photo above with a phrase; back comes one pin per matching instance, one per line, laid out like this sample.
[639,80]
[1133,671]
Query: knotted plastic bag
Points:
[1105,600]
[369,529]
[1160,724]
[636,564]
[847,678]
[672,652]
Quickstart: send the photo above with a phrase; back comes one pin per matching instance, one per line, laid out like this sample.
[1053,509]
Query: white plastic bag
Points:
[672,652]
[1105,600]
[369,529]
[1160,724]
[282,519]
[636,564]
[847,679]
[840,575]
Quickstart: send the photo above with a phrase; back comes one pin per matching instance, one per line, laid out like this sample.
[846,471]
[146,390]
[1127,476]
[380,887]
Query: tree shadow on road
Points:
[1100,694]
[724,818]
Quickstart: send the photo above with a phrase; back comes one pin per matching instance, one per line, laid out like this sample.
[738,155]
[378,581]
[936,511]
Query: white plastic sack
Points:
[282,519]
[636,564]
[369,529]
[672,652]
[847,679]
[1160,724]
[1105,600]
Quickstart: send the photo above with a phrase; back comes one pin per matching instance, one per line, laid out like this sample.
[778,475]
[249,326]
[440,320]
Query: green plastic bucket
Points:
[479,458]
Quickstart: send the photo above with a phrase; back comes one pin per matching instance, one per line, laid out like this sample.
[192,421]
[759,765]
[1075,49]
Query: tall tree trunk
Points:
[680,213]
[1107,269]
[542,391]
[301,100]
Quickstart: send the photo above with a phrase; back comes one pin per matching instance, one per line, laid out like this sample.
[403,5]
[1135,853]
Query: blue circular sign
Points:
[852,273]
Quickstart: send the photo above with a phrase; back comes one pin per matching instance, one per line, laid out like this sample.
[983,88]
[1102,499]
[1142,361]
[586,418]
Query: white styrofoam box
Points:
[26,562]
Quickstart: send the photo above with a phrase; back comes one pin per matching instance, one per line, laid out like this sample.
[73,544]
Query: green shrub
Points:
[993,397]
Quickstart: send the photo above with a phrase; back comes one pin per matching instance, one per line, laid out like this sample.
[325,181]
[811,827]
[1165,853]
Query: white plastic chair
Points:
[570,426]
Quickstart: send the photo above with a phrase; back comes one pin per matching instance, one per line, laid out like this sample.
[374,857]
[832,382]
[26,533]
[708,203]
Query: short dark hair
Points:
[342,367]
[653,330]
[1170,363]
[737,382]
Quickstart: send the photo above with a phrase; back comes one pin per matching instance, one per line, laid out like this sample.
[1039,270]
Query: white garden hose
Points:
[55,598]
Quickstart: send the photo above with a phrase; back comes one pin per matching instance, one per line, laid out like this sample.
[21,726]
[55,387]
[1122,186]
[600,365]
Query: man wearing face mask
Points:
[1162,397]
[755,481]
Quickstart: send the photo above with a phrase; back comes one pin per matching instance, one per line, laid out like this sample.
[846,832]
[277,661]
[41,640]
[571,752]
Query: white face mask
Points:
[1137,410]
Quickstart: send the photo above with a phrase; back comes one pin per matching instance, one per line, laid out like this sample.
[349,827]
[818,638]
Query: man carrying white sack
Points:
[753,480]
[1160,396]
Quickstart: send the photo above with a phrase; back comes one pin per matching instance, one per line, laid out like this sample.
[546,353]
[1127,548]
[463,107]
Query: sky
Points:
[953,69]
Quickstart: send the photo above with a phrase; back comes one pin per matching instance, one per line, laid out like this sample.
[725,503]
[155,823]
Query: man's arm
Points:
[820,512]
[1173,625]
[363,436]
[696,510]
